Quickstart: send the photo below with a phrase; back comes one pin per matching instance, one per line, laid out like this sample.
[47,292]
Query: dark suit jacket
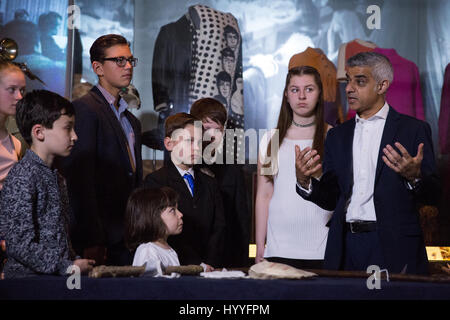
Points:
[230,179]
[202,238]
[396,207]
[99,173]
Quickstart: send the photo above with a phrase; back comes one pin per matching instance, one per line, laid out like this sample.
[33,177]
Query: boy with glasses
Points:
[106,164]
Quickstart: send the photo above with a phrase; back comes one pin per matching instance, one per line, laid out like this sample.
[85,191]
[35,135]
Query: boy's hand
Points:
[85,265]
[97,253]
[206,267]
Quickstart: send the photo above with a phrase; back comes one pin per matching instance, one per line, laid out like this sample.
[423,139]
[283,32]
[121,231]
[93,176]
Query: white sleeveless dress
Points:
[296,228]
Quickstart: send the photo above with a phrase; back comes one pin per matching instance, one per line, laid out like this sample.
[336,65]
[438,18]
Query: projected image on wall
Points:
[38,28]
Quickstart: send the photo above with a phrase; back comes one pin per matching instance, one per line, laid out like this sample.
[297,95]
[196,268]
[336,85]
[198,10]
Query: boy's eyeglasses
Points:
[122,61]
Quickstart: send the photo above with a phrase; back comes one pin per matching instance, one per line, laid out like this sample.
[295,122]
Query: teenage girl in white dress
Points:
[294,230]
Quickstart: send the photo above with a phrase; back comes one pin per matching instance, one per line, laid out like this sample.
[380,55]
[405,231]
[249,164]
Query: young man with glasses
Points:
[105,164]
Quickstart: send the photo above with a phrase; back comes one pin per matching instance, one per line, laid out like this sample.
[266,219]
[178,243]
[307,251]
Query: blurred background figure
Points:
[49,24]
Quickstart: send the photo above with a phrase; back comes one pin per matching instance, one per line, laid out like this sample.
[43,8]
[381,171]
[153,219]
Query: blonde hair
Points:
[8,65]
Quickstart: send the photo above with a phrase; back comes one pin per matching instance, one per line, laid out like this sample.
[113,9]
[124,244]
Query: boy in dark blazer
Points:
[202,239]
[106,164]
[230,178]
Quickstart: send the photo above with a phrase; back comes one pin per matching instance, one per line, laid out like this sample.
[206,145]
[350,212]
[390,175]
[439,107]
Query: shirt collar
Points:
[32,156]
[183,172]
[123,105]
[381,114]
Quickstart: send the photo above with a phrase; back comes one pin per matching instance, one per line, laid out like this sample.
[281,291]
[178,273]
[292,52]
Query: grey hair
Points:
[380,64]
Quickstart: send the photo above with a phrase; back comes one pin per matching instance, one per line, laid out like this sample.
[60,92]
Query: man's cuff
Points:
[304,191]
[414,185]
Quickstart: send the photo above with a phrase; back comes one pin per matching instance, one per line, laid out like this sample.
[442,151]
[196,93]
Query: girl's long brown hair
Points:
[286,115]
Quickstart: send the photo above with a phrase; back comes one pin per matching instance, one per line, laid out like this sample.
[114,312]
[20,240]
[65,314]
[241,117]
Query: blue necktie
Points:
[190,180]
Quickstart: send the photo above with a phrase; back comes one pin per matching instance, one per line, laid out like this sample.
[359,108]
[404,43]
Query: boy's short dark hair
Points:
[178,121]
[40,107]
[143,221]
[98,48]
[209,108]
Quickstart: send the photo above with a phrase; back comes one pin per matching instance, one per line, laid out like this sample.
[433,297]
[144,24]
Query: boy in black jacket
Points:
[202,239]
[230,178]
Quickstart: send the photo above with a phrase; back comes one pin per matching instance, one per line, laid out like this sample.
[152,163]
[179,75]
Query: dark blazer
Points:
[396,206]
[230,179]
[99,173]
[202,238]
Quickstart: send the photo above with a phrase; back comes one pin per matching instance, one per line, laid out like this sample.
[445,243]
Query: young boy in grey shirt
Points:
[34,204]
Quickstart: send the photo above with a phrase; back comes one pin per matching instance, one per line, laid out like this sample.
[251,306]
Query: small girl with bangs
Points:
[151,217]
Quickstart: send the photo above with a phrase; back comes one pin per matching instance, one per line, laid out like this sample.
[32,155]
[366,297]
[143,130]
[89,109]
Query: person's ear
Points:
[383,86]
[169,144]
[38,132]
[97,67]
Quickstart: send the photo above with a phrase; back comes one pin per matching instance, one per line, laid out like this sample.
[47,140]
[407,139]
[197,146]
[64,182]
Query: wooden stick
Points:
[116,271]
[186,270]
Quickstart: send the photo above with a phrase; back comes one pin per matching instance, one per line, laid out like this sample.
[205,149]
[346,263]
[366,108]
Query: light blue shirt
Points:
[119,113]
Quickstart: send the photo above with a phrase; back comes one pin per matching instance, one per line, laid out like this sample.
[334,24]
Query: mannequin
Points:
[346,50]
[188,57]
[217,60]
[404,94]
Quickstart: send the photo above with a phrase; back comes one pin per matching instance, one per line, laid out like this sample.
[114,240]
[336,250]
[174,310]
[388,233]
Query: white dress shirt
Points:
[366,147]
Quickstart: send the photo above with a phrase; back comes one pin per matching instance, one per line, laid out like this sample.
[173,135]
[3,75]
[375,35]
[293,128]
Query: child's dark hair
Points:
[98,48]
[143,222]
[40,107]
[209,108]
[178,121]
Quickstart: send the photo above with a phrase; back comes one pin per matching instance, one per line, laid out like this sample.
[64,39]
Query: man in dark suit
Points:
[105,164]
[202,239]
[377,168]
